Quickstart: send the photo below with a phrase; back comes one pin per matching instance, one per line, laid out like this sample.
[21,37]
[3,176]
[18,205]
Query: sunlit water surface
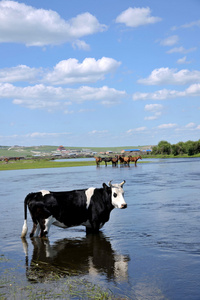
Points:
[151,250]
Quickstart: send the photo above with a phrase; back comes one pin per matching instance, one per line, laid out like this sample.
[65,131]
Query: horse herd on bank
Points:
[123,160]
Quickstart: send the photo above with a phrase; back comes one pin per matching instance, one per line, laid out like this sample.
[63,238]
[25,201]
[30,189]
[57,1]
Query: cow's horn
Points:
[122,183]
[110,184]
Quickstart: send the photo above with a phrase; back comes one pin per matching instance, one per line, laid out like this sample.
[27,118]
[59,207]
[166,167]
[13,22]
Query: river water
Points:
[151,250]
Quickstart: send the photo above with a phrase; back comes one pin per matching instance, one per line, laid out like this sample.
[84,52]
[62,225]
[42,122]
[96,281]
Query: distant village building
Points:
[136,151]
[109,152]
[61,148]
[130,150]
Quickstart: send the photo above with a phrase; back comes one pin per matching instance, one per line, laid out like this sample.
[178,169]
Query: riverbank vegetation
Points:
[188,148]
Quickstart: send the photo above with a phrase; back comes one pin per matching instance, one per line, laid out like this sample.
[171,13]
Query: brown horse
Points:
[135,159]
[121,159]
[124,160]
[98,160]
[115,161]
[106,160]
[127,160]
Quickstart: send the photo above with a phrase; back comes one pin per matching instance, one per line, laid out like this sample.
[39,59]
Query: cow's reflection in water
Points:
[91,255]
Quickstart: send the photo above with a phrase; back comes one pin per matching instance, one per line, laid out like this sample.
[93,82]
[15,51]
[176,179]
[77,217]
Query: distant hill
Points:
[15,151]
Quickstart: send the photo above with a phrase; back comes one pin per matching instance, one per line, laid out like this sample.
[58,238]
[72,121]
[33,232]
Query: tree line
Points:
[165,148]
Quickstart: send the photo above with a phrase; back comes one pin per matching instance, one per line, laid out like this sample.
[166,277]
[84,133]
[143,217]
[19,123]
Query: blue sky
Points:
[99,73]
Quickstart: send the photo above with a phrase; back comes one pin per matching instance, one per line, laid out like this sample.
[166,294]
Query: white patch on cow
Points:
[24,229]
[89,193]
[48,222]
[44,192]
[59,224]
[117,197]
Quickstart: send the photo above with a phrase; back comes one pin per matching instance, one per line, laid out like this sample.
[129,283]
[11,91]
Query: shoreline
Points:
[45,163]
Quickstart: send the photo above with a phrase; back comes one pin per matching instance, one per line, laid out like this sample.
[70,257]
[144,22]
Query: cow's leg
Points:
[35,225]
[94,228]
[37,230]
[42,227]
[90,230]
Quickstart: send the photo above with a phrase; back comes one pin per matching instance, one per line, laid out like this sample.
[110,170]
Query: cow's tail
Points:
[25,227]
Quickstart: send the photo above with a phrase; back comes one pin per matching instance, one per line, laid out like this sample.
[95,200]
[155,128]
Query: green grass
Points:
[42,163]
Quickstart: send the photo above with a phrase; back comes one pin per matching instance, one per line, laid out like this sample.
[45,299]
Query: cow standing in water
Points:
[89,207]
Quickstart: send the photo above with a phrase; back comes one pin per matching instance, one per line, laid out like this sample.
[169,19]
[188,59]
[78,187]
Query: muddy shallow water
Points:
[151,250]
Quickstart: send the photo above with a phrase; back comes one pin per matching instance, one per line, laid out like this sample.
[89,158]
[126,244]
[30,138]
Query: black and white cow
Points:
[89,207]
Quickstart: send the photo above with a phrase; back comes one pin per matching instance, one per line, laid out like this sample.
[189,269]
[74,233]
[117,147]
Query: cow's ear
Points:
[105,186]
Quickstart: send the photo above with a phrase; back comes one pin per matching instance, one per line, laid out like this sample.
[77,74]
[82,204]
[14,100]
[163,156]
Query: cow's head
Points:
[117,196]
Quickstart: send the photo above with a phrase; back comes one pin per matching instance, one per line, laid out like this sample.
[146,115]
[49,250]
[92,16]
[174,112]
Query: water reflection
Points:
[92,255]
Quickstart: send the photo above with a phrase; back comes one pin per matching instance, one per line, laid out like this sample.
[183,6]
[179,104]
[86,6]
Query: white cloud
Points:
[164,76]
[81,45]
[183,60]
[25,24]
[134,130]
[167,126]
[192,24]
[19,73]
[36,135]
[181,50]
[193,90]
[156,109]
[141,128]
[170,41]
[99,132]
[158,95]
[190,125]
[49,98]
[90,70]
[153,107]
[65,72]
[134,17]
[152,118]
[188,25]
[45,134]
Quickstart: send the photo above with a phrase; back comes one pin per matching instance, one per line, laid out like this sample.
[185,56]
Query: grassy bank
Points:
[42,163]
